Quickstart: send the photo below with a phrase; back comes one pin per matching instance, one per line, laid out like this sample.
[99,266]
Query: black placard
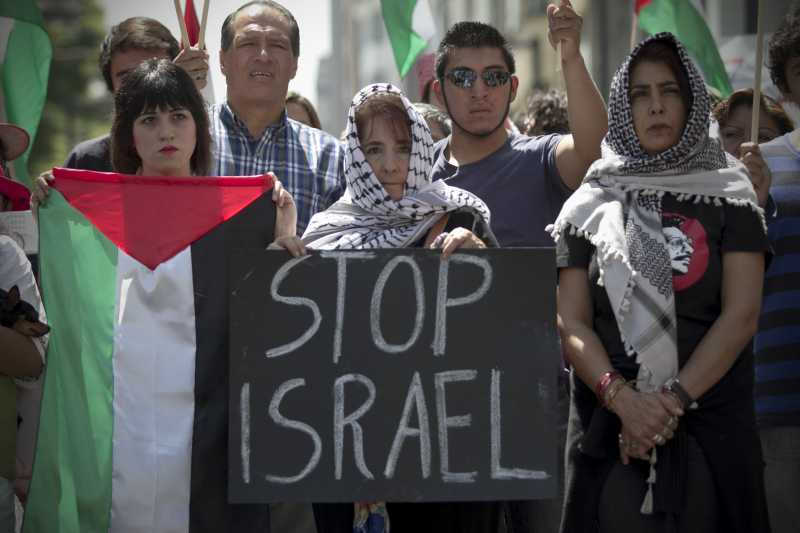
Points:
[339,358]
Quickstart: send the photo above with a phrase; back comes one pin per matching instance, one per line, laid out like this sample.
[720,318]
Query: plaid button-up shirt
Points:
[308,162]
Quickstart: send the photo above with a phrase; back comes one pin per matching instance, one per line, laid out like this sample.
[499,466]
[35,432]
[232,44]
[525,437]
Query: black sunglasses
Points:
[465,78]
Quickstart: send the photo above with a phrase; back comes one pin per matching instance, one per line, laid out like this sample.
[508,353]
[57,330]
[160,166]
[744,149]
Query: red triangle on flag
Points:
[154,218]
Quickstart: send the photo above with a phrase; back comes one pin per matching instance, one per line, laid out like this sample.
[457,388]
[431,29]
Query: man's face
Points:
[481,108]
[793,80]
[124,61]
[259,63]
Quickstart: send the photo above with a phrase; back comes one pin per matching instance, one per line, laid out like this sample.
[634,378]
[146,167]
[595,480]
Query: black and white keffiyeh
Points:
[618,209]
[366,216]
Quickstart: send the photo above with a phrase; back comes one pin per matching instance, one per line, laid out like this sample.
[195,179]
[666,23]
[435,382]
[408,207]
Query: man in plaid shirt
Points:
[251,132]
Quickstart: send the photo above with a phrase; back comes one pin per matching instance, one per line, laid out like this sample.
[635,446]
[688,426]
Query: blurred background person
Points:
[735,114]
[300,108]
[545,113]
[437,120]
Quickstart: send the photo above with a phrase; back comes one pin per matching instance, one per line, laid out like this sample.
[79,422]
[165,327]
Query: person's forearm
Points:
[742,275]
[584,351]
[19,357]
[717,351]
[586,110]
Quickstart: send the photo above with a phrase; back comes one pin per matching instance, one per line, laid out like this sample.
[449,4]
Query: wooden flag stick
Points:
[184,31]
[759,63]
[201,40]
[634,25]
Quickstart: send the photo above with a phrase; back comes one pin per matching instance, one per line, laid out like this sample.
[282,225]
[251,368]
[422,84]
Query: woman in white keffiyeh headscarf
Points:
[390,202]
[661,257]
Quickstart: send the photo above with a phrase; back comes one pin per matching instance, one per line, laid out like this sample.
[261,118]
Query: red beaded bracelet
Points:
[602,385]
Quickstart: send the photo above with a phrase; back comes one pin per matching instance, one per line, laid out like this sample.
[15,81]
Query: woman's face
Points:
[737,129]
[659,111]
[165,141]
[387,155]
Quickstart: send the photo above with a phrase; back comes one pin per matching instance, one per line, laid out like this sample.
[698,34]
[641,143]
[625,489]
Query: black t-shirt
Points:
[94,154]
[697,235]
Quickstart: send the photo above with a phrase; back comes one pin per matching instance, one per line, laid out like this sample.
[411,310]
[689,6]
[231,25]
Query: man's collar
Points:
[231,119]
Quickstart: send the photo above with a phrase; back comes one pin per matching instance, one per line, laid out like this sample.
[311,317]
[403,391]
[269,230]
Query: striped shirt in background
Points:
[777,343]
[308,162]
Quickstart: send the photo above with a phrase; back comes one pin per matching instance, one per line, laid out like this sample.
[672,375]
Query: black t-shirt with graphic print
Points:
[697,234]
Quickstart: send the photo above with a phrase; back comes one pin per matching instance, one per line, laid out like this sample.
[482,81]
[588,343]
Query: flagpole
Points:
[184,31]
[634,24]
[201,41]
[759,63]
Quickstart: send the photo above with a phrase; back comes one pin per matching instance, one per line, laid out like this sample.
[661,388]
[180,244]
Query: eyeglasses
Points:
[464,78]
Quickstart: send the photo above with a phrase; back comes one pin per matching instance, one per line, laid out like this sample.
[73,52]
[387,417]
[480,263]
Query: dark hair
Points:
[297,98]
[139,33]
[427,89]
[387,106]
[664,52]
[472,35]
[770,107]
[434,115]
[294,29]
[157,84]
[545,113]
[783,46]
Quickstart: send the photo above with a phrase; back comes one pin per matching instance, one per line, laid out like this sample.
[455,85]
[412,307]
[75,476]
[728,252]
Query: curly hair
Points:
[783,46]
[545,113]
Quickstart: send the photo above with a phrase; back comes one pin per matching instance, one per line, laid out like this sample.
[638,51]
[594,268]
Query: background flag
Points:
[25,53]
[682,19]
[133,433]
[193,28]
[410,26]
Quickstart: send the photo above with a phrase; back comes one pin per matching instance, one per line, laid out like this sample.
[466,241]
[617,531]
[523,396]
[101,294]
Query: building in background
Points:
[361,53]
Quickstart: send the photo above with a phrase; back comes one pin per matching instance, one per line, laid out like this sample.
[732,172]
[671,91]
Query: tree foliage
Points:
[78,106]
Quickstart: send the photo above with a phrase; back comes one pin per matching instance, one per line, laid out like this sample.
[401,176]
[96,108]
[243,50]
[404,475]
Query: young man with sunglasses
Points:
[524,180]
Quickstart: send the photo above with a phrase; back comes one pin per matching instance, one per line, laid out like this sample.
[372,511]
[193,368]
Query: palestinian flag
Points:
[25,53]
[682,19]
[410,26]
[133,434]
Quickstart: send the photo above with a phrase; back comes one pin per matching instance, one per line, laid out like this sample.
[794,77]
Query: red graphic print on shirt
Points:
[688,249]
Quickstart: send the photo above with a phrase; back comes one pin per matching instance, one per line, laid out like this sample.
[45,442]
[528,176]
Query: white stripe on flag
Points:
[422,20]
[154,364]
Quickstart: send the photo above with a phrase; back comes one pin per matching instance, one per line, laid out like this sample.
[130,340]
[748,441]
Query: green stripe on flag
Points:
[407,44]
[684,21]
[71,486]
[24,72]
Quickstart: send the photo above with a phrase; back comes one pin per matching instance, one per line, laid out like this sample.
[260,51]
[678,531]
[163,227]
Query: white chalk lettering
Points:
[415,398]
[280,275]
[341,289]
[445,422]
[244,404]
[377,295]
[340,421]
[443,302]
[282,421]
[499,472]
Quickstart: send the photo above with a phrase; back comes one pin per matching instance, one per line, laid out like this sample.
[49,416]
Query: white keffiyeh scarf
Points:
[366,216]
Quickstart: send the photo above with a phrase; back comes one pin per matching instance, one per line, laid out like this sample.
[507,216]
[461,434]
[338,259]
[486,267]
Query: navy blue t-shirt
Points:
[519,182]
